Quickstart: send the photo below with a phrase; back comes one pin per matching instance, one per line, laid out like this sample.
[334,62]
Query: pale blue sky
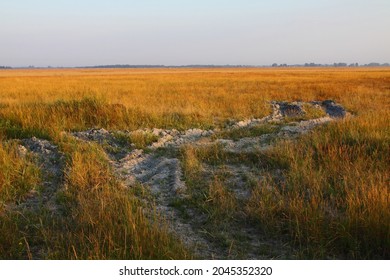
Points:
[173,32]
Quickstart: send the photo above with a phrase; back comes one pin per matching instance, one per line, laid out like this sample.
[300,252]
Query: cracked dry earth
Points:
[159,170]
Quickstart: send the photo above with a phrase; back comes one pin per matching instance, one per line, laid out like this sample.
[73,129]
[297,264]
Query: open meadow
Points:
[225,163]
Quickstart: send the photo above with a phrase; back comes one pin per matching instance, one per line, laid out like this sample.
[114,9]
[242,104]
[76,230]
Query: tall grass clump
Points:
[209,192]
[105,220]
[18,175]
[50,118]
[334,200]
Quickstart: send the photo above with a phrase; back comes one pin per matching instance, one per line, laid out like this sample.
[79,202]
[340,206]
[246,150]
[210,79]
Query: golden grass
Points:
[46,99]
[17,175]
[99,219]
[105,220]
[335,197]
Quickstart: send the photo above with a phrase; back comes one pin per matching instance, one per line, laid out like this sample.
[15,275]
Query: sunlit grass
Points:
[335,196]
[18,175]
[332,202]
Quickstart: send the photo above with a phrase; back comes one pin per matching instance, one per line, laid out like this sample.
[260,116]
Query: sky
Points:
[182,32]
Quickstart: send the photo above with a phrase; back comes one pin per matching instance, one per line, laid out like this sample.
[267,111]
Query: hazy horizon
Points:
[246,32]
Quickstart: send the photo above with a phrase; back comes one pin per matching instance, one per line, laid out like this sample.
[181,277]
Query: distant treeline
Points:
[311,64]
[168,66]
[336,64]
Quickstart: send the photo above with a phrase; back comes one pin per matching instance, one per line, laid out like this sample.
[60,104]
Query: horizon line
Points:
[274,65]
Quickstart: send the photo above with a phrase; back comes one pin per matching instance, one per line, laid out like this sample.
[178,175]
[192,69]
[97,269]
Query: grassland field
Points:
[332,201]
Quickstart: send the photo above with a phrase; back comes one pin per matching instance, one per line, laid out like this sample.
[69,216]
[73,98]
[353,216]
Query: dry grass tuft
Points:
[18,175]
